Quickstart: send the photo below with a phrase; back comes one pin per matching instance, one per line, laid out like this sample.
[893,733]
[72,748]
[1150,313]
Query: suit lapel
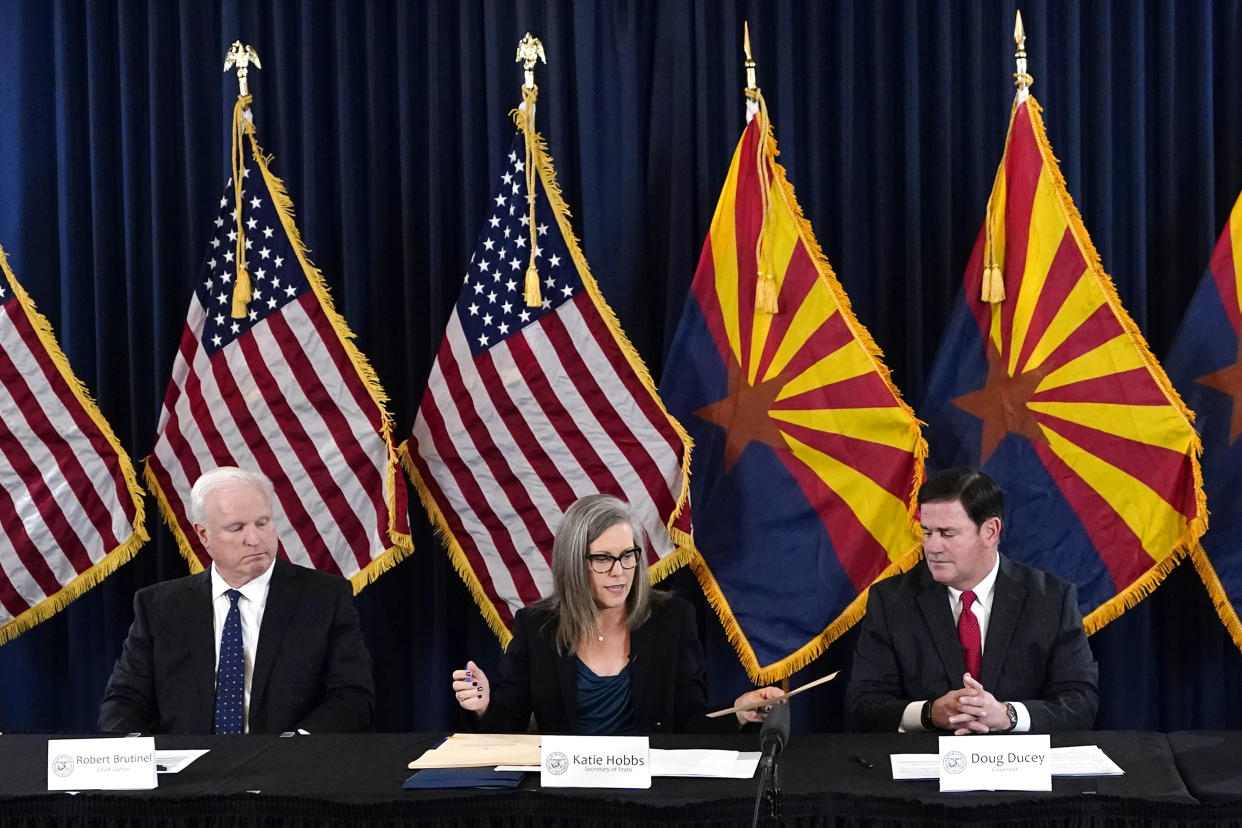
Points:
[1008,596]
[282,598]
[642,643]
[198,628]
[934,604]
[567,682]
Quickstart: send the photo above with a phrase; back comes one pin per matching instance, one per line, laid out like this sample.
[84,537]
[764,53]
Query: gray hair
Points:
[226,477]
[572,600]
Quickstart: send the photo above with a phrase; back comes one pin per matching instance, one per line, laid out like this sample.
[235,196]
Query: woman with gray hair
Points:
[604,653]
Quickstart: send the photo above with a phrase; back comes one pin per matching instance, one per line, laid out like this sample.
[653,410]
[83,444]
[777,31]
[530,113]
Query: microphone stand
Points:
[769,790]
[772,738]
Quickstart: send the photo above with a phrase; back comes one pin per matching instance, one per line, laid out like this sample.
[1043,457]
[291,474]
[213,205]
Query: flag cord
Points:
[526,121]
[765,283]
[242,126]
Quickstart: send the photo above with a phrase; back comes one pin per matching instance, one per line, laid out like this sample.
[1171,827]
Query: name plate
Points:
[595,762]
[125,764]
[995,763]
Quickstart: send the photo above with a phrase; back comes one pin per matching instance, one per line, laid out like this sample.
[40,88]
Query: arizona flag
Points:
[1048,385]
[1205,363]
[805,457]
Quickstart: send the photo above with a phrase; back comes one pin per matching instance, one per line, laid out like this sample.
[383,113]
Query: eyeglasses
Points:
[602,562]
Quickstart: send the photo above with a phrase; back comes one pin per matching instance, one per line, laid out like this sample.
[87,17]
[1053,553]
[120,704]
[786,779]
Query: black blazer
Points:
[1036,650]
[312,671]
[667,677]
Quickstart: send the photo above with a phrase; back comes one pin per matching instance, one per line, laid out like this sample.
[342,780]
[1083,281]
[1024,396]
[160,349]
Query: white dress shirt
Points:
[912,718]
[250,605]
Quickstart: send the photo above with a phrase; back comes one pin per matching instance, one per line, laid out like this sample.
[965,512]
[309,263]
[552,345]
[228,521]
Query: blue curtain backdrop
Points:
[388,121]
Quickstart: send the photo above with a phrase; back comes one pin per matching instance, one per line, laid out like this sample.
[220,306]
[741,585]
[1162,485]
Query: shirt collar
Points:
[255,589]
[983,589]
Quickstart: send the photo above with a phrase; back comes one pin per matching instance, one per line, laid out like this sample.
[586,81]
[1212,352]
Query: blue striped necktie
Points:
[231,672]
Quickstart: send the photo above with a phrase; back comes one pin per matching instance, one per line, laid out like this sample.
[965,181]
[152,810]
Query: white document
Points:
[1083,760]
[1080,760]
[915,765]
[692,762]
[175,761]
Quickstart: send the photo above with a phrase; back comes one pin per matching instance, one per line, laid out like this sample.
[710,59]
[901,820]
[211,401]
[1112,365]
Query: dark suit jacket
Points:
[312,670]
[667,678]
[1036,651]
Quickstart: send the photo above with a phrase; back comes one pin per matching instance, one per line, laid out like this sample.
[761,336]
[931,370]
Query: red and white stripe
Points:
[506,441]
[285,399]
[65,502]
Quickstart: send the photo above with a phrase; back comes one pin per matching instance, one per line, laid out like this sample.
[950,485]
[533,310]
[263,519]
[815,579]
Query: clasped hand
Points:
[970,710]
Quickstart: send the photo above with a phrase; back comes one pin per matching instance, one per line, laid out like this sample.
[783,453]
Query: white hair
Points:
[226,477]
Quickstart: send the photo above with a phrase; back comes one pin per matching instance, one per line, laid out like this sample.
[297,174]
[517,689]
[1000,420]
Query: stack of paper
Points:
[1082,760]
[481,750]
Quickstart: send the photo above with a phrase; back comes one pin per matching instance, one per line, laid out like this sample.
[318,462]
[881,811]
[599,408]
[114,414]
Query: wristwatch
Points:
[925,717]
[1013,715]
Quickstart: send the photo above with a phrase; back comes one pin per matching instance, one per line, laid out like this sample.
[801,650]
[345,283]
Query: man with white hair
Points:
[252,644]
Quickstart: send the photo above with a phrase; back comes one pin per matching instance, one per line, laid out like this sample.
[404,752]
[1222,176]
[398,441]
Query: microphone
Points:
[775,732]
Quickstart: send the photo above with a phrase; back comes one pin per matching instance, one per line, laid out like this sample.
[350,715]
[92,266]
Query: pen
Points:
[864,761]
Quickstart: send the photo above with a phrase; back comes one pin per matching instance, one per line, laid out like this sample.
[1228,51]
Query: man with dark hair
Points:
[970,641]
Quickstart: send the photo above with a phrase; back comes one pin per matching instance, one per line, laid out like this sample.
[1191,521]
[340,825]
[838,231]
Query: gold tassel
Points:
[765,293]
[993,287]
[241,128]
[532,294]
[765,282]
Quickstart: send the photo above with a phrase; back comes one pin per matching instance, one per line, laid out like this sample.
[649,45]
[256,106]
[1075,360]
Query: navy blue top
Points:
[604,705]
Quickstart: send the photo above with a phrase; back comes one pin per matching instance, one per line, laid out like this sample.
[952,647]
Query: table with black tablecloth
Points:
[356,780]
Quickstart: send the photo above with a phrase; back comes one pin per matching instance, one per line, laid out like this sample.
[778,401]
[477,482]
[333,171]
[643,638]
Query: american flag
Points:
[71,509]
[282,390]
[528,409]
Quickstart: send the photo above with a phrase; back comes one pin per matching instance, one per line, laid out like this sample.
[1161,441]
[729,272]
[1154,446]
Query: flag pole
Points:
[765,283]
[1021,78]
[992,286]
[529,52]
[240,56]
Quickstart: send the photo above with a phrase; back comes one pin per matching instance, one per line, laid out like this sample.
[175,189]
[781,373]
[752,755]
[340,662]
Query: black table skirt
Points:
[356,781]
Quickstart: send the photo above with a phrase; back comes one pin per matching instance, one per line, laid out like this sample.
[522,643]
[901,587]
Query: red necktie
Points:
[968,635]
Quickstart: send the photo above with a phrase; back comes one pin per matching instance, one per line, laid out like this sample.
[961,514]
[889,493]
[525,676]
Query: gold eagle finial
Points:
[530,50]
[242,56]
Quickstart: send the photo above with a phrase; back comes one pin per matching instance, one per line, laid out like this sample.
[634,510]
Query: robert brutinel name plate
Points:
[126,764]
